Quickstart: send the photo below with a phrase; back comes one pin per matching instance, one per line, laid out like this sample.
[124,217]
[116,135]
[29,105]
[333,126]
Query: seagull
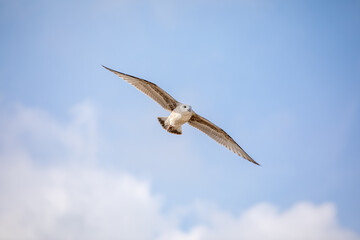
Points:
[182,113]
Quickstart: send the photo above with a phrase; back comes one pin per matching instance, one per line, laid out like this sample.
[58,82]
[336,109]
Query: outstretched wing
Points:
[150,89]
[218,135]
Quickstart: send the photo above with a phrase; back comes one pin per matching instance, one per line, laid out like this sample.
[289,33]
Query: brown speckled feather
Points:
[150,89]
[169,103]
[218,135]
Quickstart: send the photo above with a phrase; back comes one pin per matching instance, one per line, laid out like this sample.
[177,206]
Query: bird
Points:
[181,113]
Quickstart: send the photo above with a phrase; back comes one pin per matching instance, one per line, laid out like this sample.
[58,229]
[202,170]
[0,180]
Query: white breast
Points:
[177,119]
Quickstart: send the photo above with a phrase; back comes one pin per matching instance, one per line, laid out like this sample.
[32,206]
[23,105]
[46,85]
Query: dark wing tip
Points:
[108,68]
[255,163]
[247,157]
[117,73]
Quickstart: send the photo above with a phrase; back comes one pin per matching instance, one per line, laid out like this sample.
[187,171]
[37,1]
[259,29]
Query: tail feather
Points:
[162,121]
[167,127]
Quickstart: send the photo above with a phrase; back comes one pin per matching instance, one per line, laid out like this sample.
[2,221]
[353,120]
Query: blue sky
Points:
[281,77]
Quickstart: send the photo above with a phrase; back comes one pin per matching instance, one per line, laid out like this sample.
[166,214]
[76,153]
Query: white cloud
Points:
[54,199]
[75,203]
[35,132]
[304,220]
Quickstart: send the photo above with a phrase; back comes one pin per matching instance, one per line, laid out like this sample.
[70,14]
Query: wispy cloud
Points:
[304,220]
[68,200]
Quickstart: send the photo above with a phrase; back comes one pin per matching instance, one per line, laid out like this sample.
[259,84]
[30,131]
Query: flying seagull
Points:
[181,114]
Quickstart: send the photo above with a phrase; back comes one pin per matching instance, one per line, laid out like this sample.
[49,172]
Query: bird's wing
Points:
[218,135]
[150,89]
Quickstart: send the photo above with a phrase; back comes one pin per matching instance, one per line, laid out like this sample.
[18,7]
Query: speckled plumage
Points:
[181,114]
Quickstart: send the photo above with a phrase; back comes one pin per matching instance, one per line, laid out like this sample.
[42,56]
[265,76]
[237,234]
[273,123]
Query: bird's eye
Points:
[184,106]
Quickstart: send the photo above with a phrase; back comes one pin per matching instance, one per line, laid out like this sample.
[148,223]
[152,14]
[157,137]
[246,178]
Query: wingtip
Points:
[111,70]
[256,163]
[252,160]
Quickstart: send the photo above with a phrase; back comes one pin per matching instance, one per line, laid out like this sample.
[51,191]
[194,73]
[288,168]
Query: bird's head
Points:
[185,108]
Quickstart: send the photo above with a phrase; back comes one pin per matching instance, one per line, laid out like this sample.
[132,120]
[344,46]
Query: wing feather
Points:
[218,135]
[150,89]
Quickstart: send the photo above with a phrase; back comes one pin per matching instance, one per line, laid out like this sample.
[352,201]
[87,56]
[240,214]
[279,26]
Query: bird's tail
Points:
[168,127]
